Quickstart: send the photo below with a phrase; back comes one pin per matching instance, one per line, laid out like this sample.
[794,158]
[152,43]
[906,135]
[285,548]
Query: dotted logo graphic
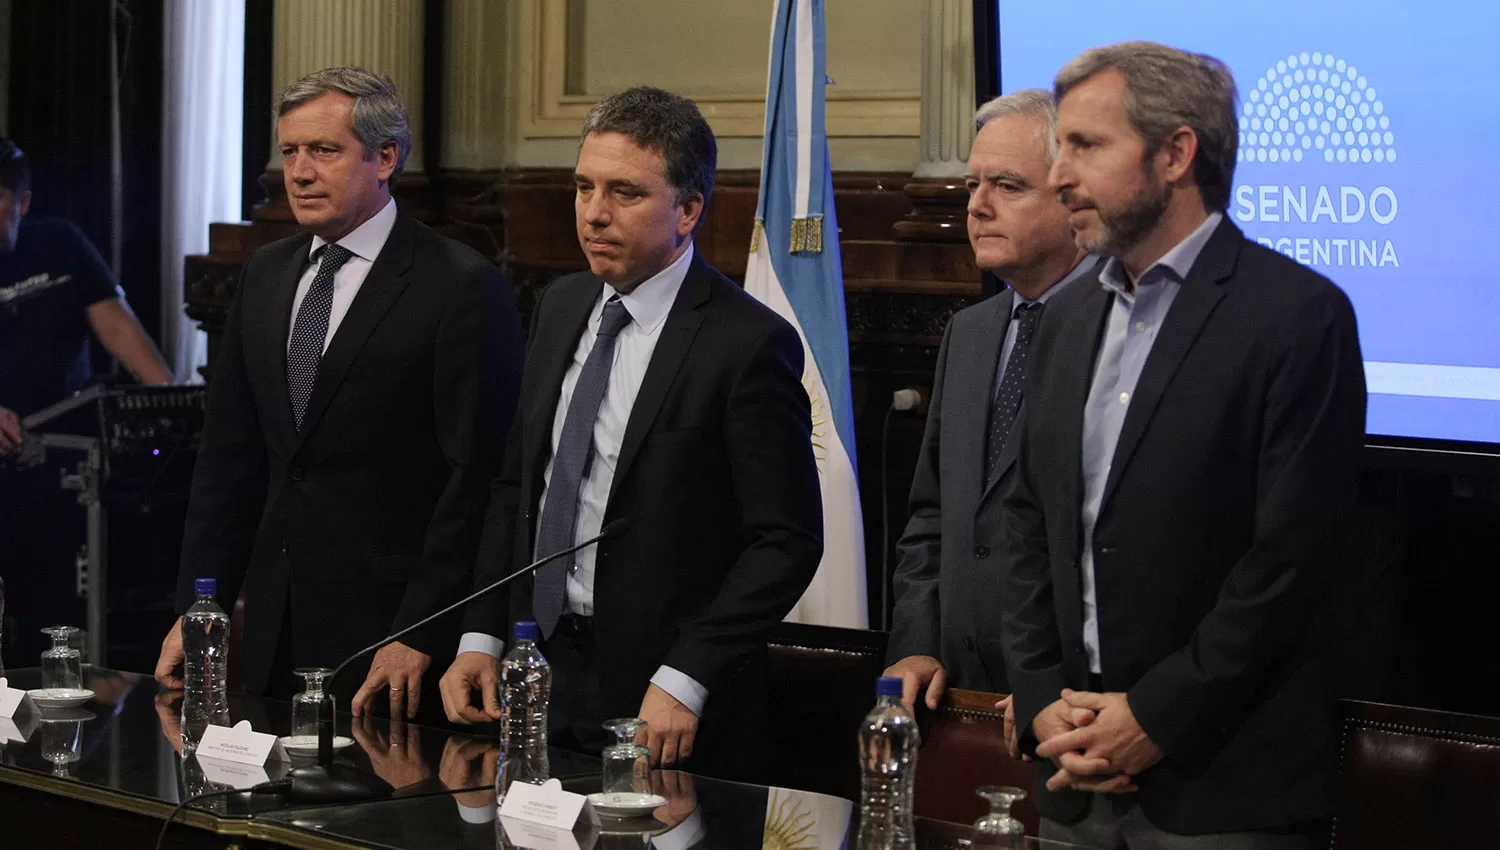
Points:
[1315,106]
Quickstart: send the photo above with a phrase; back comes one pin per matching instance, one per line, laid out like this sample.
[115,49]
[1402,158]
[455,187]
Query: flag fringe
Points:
[755,236]
[807,235]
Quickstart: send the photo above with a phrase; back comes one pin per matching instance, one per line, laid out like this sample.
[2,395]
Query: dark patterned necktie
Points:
[1007,403]
[557,529]
[310,331]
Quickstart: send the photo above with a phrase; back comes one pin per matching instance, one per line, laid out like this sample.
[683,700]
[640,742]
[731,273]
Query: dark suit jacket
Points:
[948,576]
[1218,539]
[717,477]
[368,518]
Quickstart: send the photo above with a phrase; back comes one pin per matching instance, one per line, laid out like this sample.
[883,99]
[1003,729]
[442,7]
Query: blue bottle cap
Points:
[888,686]
[526,630]
[206,586]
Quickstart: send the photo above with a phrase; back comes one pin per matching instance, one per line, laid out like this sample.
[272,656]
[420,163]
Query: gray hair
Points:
[669,124]
[1036,103]
[379,117]
[1165,89]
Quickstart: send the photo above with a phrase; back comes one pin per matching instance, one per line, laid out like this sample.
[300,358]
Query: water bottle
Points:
[888,742]
[525,689]
[205,657]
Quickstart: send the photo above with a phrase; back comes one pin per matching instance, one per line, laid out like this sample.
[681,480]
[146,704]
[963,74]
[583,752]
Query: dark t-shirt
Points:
[44,338]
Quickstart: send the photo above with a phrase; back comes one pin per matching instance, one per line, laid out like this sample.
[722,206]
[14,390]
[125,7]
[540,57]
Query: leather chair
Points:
[822,684]
[963,748]
[1416,779]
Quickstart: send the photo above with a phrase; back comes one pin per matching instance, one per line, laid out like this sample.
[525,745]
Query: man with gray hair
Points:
[1178,511]
[656,392]
[945,631]
[357,403]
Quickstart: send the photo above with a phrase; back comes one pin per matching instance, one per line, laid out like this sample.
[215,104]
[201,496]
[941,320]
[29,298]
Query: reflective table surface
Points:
[700,812]
[125,749]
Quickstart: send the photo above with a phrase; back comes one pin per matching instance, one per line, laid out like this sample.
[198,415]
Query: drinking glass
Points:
[627,765]
[62,665]
[305,705]
[998,830]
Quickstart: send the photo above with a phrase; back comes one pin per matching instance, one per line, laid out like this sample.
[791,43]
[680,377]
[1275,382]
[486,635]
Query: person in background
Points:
[55,291]
[1178,515]
[945,631]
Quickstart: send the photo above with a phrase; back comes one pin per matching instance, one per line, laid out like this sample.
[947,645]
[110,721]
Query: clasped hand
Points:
[1095,742]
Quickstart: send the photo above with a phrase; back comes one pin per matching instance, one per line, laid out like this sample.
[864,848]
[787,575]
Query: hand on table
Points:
[1012,744]
[470,672]
[400,668]
[10,431]
[169,663]
[670,728]
[919,673]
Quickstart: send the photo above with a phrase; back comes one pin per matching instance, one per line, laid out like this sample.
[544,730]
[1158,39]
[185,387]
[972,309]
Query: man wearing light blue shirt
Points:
[1178,510]
[656,392]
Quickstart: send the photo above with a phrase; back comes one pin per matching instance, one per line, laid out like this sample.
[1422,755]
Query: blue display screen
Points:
[1369,151]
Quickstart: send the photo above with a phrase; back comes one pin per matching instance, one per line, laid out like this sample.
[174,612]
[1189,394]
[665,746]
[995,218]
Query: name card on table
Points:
[12,700]
[241,745]
[546,804]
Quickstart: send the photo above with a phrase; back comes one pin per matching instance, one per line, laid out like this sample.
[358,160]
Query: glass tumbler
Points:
[627,765]
[305,705]
[62,665]
[998,830]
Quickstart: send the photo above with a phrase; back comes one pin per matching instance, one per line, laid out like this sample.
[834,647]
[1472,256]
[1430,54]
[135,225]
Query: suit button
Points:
[295,473]
[285,549]
[981,552]
[969,643]
[1107,550]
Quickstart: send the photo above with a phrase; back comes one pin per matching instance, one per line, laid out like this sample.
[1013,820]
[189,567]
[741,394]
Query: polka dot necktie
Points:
[310,332]
[1007,404]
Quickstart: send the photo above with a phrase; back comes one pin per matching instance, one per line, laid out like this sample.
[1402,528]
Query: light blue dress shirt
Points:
[1134,320]
[648,305]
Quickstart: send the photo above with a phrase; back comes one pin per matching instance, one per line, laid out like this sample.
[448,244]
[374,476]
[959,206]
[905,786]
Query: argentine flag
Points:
[794,269]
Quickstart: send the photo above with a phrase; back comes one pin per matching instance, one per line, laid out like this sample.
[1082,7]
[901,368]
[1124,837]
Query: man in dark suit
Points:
[1177,517]
[656,391]
[357,405]
[945,631]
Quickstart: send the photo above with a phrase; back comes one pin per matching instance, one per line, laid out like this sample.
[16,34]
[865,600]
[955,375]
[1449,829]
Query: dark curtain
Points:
[75,64]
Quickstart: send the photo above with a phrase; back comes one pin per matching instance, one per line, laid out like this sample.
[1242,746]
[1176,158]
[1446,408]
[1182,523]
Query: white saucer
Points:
[626,804]
[307,745]
[60,697]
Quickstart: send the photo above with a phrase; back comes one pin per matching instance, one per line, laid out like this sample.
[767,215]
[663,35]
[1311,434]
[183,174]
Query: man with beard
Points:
[1177,514]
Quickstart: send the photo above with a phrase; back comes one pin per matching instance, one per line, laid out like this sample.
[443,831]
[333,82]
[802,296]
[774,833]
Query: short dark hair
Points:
[669,124]
[15,173]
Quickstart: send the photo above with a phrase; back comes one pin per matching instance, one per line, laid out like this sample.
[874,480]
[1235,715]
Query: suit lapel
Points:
[977,384]
[382,286]
[677,334]
[1195,302]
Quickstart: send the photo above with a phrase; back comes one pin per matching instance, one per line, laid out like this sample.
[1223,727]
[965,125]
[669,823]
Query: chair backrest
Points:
[963,748]
[1415,779]
[822,684]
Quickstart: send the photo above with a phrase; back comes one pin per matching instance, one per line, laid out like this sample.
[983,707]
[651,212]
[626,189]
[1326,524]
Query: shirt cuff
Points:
[681,687]
[481,642]
[476,814]
[683,835]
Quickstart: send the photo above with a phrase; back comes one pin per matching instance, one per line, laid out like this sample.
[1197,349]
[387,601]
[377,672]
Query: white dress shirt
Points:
[648,305]
[1135,318]
[365,243]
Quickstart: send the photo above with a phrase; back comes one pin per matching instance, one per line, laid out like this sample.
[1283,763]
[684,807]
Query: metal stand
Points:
[93,560]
